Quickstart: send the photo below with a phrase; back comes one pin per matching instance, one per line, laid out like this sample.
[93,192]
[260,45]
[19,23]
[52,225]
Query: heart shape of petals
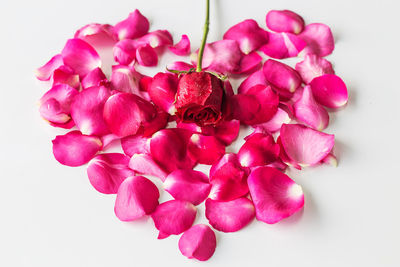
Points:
[199,242]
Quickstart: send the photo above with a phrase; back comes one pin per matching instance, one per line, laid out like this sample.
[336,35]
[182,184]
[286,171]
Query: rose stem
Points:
[205,33]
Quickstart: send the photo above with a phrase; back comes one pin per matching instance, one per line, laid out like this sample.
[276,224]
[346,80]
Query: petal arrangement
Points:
[169,122]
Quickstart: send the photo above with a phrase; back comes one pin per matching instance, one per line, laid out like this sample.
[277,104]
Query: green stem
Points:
[203,42]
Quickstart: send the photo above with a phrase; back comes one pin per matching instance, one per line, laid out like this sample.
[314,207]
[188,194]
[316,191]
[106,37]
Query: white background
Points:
[51,216]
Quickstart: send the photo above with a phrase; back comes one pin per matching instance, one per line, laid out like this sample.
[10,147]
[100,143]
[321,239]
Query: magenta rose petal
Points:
[156,39]
[304,145]
[245,108]
[159,122]
[146,56]
[137,196]
[249,63]
[136,25]
[227,131]
[259,149]
[125,113]
[255,78]
[205,149]
[135,144]
[144,164]
[283,45]
[330,91]
[230,216]
[80,56]
[64,75]
[274,194]
[97,34]
[188,185]
[180,66]
[75,149]
[182,48]
[162,91]
[107,171]
[124,51]
[313,66]
[319,39]
[248,34]
[308,111]
[95,77]
[275,123]
[173,217]
[284,21]
[45,72]
[281,75]
[87,111]
[199,242]
[125,79]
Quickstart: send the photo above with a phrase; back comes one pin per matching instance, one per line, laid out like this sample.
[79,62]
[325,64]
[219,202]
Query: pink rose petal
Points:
[313,66]
[180,66]
[125,51]
[136,25]
[230,216]
[248,34]
[330,159]
[330,90]
[205,149]
[188,185]
[162,91]
[45,72]
[249,63]
[156,39]
[135,144]
[284,157]
[182,48]
[284,21]
[275,123]
[64,75]
[307,110]
[159,122]
[274,194]
[125,79]
[199,242]
[255,78]
[107,171]
[95,77]
[97,34]
[259,149]
[80,56]
[319,39]
[174,217]
[137,196]
[227,131]
[146,56]
[304,145]
[281,75]
[283,45]
[245,108]
[75,149]
[144,164]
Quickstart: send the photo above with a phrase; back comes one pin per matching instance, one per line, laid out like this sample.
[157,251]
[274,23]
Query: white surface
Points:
[51,216]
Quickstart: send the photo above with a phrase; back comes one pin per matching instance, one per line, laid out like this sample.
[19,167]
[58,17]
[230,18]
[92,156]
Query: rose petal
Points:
[275,123]
[45,72]
[125,113]
[284,157]
[259,149]
[268,100]
[64,75]
[319,39]
[284,21]
[125,51]
[159,122]
[80,56]
[304,145]
[97,34]
[330,159]
[108,139]
[94,78]
[156,39]
[274,194]
[125,79]
[135,144]
[162,91]
[144,164]
[137,196]
[249,63]
[255,78]
[281,75]
[283,45]
[75,149]
[248,34]
[180,66]
[330,90]
[205,149]
[136,25]
[245,107]
[199,242]
[188,185]
[307,110]
[230,216]
[146,56]
[313,66]
[107,171]
[182,48]
[173,217]
[227,131]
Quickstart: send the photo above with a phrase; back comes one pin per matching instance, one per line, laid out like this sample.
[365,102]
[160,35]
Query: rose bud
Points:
[199,98]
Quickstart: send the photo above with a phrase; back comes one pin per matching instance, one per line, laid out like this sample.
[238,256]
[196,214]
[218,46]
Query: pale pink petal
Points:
[75,149]
[274,194]
[319,39]
[182,48]
[156,39]
[230,216]
[125,113]
[135,144]
[107,171]
[94,78]
[125,51]
[136,25]
[97,34]
[330,159]
[188,185]
[174,217]
[307,110]
[248,34]
[144,164]
[137,196]
[284,21]
[281,75]
[255,78]
[199,242]
[180,66]
[330,90]
[125,79]
[249,63]
[283,45]
[146,56]
[259,149]
[313,66]
[162,91]
[205,149]
[45,72]
[64,75]
[80,56]
[275,123]
[304,145]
